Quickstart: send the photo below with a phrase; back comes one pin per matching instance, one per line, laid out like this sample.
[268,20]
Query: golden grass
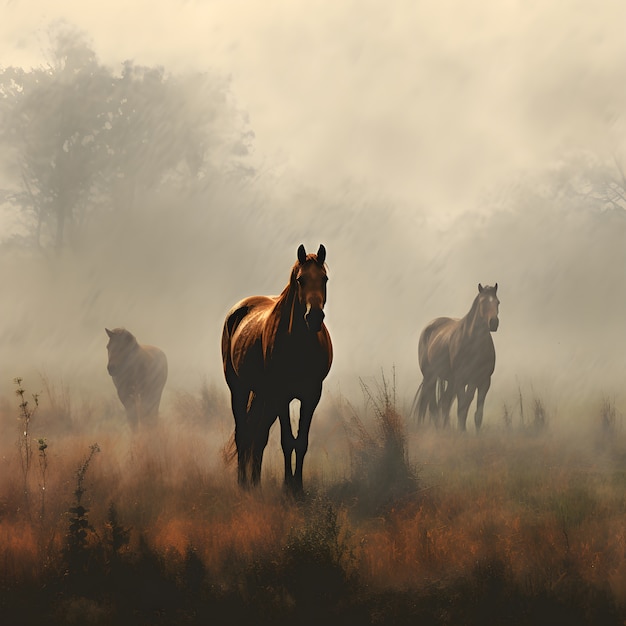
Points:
[541,510]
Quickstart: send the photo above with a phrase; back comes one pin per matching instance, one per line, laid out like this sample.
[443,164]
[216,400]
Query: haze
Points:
[429,146]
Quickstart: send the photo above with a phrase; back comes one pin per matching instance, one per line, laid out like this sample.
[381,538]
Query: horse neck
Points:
[289,311]
[472,324]
[133,356]
[286,317]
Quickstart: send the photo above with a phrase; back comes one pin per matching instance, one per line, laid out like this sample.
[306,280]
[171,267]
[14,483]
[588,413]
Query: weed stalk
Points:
[24,441]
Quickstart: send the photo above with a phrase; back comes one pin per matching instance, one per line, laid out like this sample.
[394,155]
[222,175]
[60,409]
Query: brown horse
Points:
[274,350]
[457,357]
[139,374]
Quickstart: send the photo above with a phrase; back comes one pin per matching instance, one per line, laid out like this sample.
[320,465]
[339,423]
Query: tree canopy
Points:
[80,138]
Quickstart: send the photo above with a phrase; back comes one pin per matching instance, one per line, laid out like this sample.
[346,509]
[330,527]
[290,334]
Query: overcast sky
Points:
[427,103]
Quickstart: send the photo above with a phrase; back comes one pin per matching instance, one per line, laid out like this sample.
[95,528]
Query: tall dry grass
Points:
[430,526]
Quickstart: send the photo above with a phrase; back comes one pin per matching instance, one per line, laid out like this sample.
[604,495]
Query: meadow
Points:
[523,524]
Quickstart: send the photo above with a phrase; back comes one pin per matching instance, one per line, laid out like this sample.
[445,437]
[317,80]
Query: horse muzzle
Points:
[314,319]
[494,322]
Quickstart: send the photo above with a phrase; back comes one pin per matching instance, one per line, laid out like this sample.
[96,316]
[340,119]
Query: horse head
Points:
[121,344]
[310,276]
[488,305]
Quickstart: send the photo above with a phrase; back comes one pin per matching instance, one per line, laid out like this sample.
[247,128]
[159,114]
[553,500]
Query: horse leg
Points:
[480,403]
[155,403]
[239,400]
[263,418]
[131,405]
[129,402]
[150,408]
[131,416]
[288,443]
[435,408]
[301,444]
[464,399]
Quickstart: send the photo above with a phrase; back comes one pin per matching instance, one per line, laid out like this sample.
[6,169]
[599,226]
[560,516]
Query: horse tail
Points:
[425,399]
[414,405]
[438,411]
[229,451]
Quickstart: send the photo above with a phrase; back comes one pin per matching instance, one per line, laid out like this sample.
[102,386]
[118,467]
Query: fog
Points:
[430,147]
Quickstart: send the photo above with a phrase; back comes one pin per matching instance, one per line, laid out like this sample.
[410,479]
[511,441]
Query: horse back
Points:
[157,360]
[242,333]
[144,375]
[152,370]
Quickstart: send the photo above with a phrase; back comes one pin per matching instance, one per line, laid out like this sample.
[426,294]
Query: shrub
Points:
[381,472]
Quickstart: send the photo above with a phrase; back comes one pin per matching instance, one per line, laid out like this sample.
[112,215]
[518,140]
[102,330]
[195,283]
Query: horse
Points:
[139,373]
[457,357]
[276,349]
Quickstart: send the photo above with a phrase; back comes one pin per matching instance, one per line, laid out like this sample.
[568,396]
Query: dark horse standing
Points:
[274,350]
[457,357]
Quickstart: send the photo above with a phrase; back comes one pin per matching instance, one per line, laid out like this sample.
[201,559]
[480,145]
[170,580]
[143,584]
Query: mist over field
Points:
[160,161]
[429,149]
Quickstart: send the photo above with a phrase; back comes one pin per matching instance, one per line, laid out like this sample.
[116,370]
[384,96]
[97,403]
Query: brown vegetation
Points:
[430,526]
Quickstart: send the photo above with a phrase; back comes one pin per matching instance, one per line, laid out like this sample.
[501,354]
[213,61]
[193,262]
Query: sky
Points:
[410,116]
[422,102]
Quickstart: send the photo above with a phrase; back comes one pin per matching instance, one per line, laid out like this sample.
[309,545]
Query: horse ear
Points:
[321,254]
[301,254]
[480,287]
[109,333]
[495,288]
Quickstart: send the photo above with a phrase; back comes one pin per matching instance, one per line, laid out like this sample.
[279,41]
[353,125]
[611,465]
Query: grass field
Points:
[398,524]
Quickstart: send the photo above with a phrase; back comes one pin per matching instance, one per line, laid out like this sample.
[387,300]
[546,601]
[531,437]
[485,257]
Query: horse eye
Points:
[300,280]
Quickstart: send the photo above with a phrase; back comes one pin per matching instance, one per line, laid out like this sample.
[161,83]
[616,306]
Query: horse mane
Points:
[469,321]
[283,307]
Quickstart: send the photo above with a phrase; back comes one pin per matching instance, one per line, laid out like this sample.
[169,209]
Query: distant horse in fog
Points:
[139,373]
[276,349]
[457,357]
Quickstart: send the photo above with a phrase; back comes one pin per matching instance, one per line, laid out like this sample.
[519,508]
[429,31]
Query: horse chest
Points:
[474,360]
[291,363]
[298,359]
